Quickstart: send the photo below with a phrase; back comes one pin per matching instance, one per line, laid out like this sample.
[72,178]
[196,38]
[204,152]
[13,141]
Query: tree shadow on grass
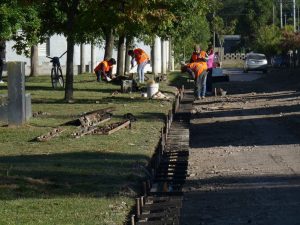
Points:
[119,99]
[93,174]
[60,89]
[147,116]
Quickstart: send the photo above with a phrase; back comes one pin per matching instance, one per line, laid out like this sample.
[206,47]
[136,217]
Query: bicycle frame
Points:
[56,73]
[55,60]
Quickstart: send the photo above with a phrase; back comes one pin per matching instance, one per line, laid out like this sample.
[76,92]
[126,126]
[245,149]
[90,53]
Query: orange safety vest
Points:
[203,55]
[104,66]
[197,68]
[197,56]
[140,55]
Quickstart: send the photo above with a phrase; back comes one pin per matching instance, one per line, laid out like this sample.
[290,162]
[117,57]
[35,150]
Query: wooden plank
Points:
[48,136]
[125,124]
[111,128]
[94,119]
[84,131]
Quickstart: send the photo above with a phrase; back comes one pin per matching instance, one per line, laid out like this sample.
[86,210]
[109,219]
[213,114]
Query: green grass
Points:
[90,180]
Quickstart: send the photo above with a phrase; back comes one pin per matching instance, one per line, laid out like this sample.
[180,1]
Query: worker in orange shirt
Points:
[198,70]
[198,55]
[141,58]
[104,69]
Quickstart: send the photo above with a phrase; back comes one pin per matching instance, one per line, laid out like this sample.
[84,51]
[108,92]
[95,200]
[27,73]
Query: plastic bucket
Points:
[152,89]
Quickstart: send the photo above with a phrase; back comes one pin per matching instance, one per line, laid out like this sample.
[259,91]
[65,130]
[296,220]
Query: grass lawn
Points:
[90,180]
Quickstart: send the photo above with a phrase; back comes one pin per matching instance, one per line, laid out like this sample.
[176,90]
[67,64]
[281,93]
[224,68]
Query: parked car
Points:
[256,62]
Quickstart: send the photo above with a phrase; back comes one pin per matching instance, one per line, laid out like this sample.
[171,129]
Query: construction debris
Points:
[84,131]
[89,124]
[159,95]
[40,113]
[220,92]
[96,117]
[112,128]
[108,129]
[54,133]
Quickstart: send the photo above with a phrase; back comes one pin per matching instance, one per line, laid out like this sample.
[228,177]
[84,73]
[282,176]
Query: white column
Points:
[171,56]
[156,56]
[163,57]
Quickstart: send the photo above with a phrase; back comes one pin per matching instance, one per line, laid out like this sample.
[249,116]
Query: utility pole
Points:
[281,22]
[298,19]
[214,34]
[274,14]
[285,19]
[294,14]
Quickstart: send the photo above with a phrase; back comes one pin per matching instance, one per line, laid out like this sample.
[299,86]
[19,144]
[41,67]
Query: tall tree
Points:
[268,40]
[69,18]
[256,14]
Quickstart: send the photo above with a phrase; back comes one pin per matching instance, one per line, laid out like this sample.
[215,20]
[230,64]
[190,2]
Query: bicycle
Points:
[56,72]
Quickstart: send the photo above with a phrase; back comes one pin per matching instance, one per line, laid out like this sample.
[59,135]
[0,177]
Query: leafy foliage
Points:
[268,40]
[290,41]
[19,22]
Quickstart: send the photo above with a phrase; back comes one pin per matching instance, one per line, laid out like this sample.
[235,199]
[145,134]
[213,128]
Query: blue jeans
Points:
[209,80]
[140,71]
[201,84]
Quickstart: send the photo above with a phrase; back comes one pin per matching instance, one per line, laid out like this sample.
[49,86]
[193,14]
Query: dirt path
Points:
[244,161]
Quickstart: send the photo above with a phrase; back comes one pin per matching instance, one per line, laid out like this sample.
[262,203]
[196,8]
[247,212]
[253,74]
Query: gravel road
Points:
[244,165]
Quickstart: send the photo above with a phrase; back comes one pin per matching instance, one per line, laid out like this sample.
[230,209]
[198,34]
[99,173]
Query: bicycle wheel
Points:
[53,77]
[60,78]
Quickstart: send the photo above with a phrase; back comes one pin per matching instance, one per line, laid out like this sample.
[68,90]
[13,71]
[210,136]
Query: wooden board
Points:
[53,133]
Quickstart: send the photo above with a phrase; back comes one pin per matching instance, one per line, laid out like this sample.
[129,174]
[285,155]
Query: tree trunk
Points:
[82,58]
[109,43]
[127,57]
[2,49]
[120,62]
[70,70]
[34,61]
[92,57]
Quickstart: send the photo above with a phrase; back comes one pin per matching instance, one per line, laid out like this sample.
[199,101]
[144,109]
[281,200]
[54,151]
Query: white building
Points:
[57,45]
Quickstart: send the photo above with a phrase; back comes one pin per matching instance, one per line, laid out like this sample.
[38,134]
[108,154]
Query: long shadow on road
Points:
[243,132]
[243,200]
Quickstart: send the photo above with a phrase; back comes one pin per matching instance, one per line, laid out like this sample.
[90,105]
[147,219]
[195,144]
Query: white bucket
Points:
[152,89]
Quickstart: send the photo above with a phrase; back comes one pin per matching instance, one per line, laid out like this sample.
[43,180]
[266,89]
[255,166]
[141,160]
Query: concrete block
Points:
[16,93]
